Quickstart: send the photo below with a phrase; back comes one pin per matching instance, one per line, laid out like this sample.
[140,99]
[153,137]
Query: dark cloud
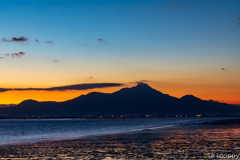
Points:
[7,105]
[49,42]
[101,40]
[19,54]
[3,90]
[84,44]
[238,23]
[223,69]
[55,60]
[173,6]
[68,87]
[91,77]
[36,40]
[141,81]
[1,57]
[20,39]
[211,100]
[15,39]
[238,18]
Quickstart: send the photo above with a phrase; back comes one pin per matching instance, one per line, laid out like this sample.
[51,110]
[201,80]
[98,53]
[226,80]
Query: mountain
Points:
[138,100]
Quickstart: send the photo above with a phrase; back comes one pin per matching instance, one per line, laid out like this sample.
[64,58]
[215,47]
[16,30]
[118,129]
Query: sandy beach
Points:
[183,141]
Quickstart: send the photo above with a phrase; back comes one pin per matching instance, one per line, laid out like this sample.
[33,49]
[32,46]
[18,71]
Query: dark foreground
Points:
[207,140]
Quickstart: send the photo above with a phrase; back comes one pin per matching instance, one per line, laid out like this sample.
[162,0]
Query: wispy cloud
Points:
[15,39]
[24,39]
[19,54]
[84,44]
[7,105]
[141,81]
[5,40]
[84,86]
[55,60]
[223,69]
[1,57]
[49,42]
[100,39]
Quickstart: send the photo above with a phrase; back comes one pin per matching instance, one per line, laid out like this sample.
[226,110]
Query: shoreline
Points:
[183,141]
[83,136]
[167,125]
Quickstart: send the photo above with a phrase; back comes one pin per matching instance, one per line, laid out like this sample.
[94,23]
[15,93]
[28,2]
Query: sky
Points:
[178,47]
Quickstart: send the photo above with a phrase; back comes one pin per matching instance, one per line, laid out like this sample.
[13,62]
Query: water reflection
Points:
[184,142]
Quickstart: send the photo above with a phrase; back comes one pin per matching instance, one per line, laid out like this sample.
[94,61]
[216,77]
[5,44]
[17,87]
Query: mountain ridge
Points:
[138,100]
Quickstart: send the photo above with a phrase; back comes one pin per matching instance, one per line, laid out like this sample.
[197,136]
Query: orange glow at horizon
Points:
[223,94]
[220,93]
[16,97]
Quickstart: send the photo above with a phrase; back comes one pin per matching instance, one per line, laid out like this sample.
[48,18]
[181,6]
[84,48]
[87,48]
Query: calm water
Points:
[24,130]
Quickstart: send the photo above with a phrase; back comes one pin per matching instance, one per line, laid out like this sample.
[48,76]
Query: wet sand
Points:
[184,141]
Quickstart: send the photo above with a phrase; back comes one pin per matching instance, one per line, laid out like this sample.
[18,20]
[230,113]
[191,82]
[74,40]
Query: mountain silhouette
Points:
[138,100]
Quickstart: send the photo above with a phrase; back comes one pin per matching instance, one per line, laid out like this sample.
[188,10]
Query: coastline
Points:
[85,136]
[27,131]
[183,141]
[160,124]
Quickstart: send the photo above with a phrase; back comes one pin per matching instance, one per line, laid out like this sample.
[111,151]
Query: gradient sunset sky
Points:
[178,47]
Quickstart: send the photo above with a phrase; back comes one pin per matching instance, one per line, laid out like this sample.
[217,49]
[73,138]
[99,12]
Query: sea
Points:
[33,130]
